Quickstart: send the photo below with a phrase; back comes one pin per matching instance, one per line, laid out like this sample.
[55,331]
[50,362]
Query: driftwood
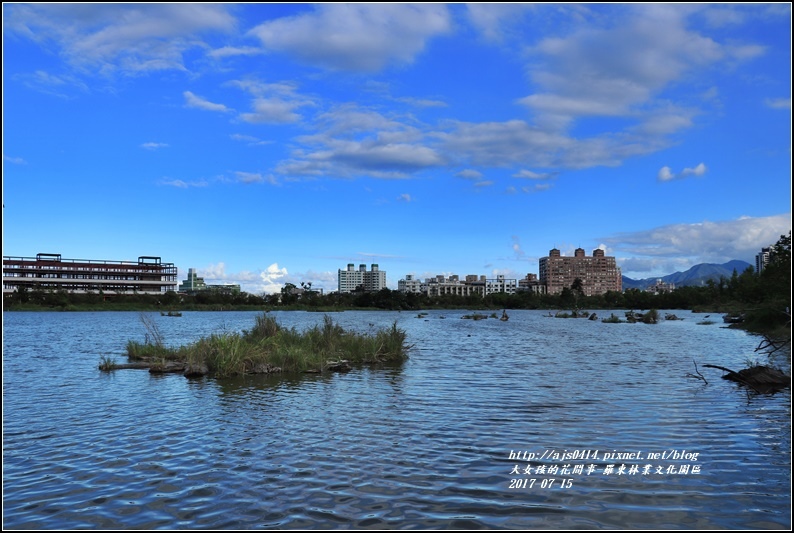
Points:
[760,378]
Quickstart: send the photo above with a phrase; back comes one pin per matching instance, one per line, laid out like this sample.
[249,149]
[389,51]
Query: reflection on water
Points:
[425,443]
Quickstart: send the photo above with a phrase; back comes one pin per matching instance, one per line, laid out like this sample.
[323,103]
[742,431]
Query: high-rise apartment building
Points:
[597,273]
[762,259]
[370,280]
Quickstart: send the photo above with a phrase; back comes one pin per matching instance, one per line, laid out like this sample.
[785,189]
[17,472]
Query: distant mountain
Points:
[697,275]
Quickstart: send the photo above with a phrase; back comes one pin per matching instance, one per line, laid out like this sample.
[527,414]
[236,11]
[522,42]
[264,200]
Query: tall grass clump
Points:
[268,347]
[153,347]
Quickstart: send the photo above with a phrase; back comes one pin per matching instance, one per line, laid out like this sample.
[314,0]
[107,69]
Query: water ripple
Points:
[424,444]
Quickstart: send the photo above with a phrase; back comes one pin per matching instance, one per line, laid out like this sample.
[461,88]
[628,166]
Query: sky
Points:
[264,144]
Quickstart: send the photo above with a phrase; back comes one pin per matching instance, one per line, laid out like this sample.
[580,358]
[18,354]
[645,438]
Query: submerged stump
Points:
[760,378]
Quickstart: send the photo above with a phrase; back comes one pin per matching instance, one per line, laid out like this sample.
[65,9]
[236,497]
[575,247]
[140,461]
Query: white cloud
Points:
[272,111]
[667,174]
[469,174]
[704,242]
[273,279]
[593,72]
[778,103]
[273,103]
[405,198]
[269,281]
[249,139]
[358,37]
[528,174]
[254,177]
[14,160]
[181,184]
[494,21]
[232,51]
[191,100]
[153,145]
[422,102]
[353,142]
[697,171]
[126,38]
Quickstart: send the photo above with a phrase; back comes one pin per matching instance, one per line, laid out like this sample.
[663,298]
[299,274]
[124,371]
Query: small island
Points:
[267,348]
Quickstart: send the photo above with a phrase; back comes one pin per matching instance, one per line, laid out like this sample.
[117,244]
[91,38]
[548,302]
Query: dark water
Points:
[425,444]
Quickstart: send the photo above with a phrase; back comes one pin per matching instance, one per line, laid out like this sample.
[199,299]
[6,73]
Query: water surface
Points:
[423,444]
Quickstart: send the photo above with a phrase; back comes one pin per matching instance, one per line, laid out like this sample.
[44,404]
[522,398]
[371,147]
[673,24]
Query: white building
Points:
[409,284]
[442,285]
[762,259]
[369,280]
[660,287]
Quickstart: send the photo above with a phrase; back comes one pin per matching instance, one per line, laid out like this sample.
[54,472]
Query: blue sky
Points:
[266,144]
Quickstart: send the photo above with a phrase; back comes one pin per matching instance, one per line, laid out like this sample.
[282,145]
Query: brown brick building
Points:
[598,273]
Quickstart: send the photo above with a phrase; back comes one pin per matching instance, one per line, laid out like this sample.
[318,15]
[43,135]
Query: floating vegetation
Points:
[613,319]
[268,347]
[107,363]
[475,316]
[651,317]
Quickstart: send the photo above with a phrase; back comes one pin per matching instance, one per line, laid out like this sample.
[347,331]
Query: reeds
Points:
[269,347]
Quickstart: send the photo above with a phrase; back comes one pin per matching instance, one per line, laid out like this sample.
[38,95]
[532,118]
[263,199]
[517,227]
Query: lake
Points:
[532,423]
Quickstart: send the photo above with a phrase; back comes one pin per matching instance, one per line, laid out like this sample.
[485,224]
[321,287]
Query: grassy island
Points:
[266,348]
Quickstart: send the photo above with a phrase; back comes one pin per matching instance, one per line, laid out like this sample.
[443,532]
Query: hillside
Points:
[697,275]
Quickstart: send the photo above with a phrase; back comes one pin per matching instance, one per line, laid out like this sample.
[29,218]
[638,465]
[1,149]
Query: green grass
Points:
[269,347]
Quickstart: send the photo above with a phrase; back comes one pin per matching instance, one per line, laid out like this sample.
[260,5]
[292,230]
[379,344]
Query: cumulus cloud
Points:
[703,242]
[667,174]
[593,73]
[353,141]
[191,100]
[697,171]
[273,103]
[269,280]
[273,278]
[357,37]
[405,198]
[495,21]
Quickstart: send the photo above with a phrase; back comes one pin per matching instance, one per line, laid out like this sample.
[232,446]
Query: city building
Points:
[351,279]
[762,259]
[51,272]
[195,284]
[410,284]
[471,285]
[531,283]
[660,287]
[598,274]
